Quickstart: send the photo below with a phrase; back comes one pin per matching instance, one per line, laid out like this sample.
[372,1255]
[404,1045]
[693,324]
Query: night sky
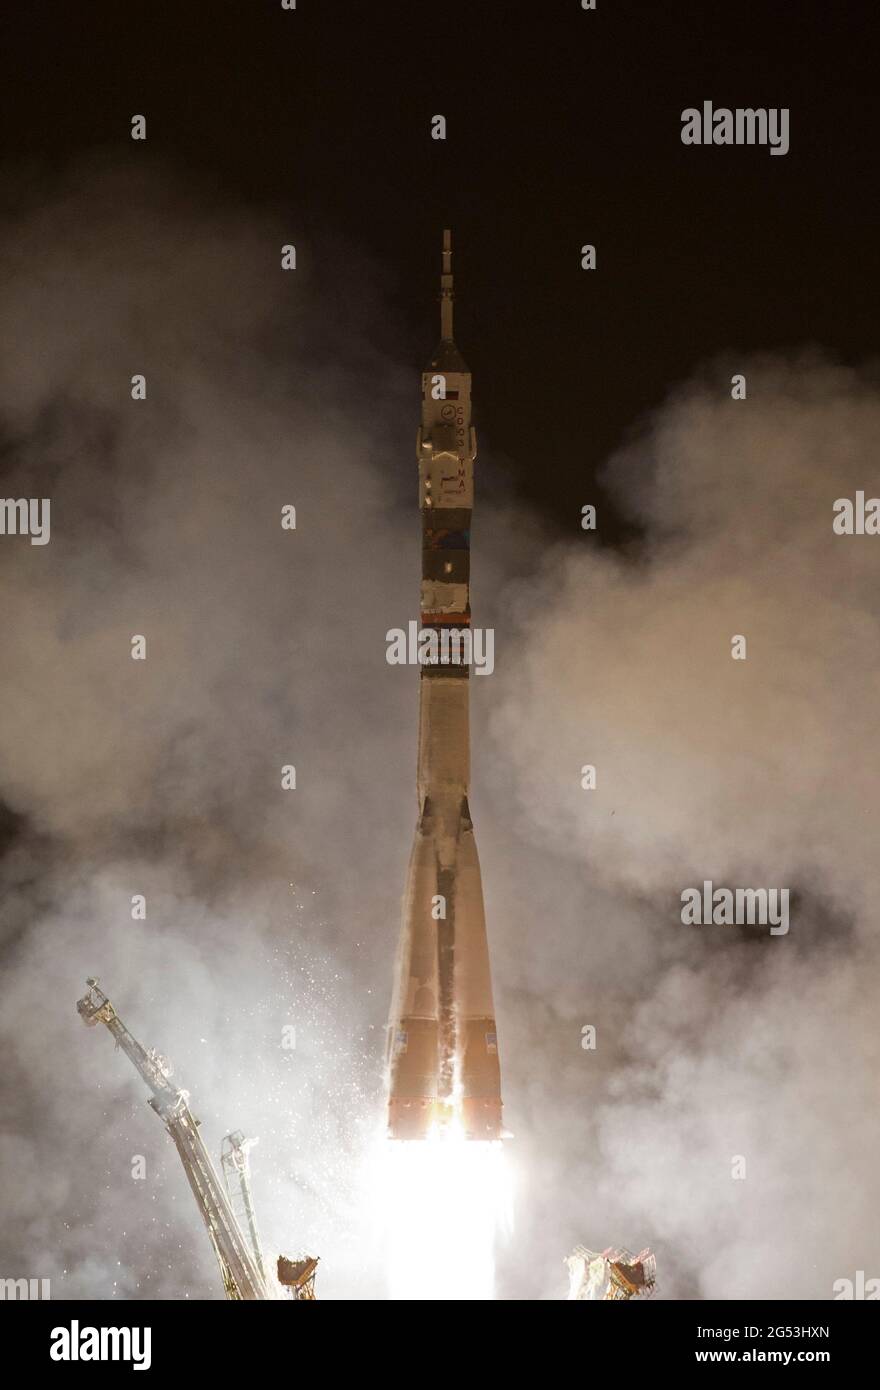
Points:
[563,128]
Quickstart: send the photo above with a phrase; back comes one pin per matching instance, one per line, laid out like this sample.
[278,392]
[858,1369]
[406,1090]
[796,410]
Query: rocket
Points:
[442,1054]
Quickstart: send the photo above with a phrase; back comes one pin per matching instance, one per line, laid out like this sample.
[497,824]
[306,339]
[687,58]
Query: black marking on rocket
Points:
[446,986]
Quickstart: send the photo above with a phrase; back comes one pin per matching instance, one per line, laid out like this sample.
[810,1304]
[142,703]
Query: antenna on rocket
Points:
[446,295]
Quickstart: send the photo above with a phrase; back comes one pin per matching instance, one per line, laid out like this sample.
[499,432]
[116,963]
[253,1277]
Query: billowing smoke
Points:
[726,1114]
[269,908]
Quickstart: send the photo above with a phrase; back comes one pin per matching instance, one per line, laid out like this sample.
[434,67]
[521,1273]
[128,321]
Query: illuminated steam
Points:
[268,908]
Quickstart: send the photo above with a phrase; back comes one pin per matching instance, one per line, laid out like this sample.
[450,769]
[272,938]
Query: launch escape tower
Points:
[242,1267]
[442,1042]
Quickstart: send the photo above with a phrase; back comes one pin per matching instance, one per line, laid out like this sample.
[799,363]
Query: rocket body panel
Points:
[444,744]
[442,1044]
[472,948]
[443,1049]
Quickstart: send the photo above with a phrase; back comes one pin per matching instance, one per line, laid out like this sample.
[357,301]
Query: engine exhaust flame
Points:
[446,1201]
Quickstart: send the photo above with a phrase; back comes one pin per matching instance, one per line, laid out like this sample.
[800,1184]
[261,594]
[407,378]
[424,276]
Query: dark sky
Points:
[563,128]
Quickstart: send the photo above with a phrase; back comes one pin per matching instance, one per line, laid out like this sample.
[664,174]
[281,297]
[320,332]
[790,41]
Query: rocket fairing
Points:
[442,1042]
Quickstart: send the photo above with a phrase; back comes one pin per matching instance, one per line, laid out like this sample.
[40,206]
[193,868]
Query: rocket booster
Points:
[442,1043]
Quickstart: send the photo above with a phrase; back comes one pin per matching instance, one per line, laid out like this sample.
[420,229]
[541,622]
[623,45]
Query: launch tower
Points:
[243,1277]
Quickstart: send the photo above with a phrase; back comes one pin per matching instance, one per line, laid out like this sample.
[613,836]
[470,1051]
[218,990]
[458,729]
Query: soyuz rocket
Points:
[442,1056]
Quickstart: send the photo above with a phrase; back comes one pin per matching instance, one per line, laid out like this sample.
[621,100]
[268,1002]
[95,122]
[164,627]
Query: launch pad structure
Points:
[241,1259]
[236,1173]
[611,1275]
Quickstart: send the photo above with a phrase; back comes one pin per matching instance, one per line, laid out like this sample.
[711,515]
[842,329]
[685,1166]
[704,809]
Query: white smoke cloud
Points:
[712,1043]
[264,648]
[267,908]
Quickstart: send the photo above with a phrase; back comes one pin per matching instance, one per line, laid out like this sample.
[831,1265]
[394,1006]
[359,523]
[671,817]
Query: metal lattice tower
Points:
[243,1276]
[236,1174]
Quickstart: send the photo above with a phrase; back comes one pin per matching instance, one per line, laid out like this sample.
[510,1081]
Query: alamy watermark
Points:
[729,907]
[29,1290]
[26,516]
[442,646]
[743,126]
[860,1288]
[859,517]
[75,1343]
